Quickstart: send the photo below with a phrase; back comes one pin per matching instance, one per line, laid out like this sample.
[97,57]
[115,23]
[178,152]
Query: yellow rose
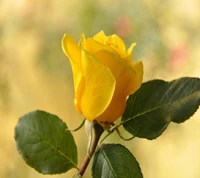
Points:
[104,75]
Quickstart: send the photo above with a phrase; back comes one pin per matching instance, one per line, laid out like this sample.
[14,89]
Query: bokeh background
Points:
[35,74]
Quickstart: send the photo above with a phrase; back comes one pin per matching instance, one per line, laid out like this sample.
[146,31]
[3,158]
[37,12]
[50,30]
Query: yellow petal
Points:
[116,43]
[130,49]
[128,55]
[71,49]
[100,37]
[98,88]
[73,52]
[138,68]
[121,70]
[78,93]
[124,76]
[94,46]
[82,42]
[113,111]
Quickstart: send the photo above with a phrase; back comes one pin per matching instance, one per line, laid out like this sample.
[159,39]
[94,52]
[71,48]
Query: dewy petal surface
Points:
[99,86]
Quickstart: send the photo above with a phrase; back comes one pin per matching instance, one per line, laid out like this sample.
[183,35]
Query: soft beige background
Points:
[35,74]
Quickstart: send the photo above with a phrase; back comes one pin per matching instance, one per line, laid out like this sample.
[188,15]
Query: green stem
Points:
[116,128]
[98,130]
[105,137]
[111,130]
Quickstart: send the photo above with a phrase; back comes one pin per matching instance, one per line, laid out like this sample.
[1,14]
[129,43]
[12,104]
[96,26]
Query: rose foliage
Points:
[108,85]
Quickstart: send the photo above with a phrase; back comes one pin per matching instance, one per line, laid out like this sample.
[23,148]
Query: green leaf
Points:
[45,143]
[150,110]
[115,161]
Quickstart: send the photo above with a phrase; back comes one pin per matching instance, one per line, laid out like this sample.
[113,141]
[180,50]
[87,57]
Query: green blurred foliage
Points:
[33,67]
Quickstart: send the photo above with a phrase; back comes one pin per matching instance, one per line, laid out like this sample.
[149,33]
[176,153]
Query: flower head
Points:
[104,75]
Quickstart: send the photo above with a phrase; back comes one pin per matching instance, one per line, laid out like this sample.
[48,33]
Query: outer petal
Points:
[128,56]
[123,72]
[71,49]
[125,77]
[99,86]
[138,68]
[73,52]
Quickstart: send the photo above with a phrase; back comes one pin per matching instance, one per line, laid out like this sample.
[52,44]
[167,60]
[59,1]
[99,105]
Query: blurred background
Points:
[35,74]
